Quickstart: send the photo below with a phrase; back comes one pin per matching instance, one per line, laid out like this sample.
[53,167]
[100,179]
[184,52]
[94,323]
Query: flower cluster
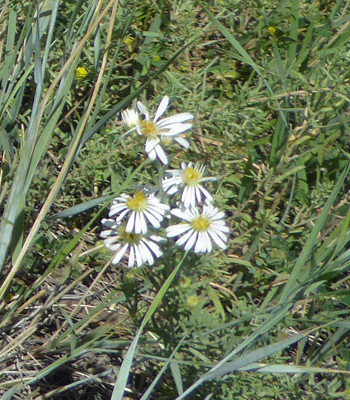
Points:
[134,219]
[156,131]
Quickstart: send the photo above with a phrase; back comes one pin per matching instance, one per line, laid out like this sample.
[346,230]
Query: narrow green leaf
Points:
[175,371]
[292,286]
[246,57]
[119,388]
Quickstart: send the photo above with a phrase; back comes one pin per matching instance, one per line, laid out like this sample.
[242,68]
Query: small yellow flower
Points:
[81,74]
[272,30]
[130,43]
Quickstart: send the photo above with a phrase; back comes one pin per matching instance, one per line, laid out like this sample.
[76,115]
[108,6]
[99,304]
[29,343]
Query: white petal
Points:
[110,223]
[176,230]
[143,109]
[175,119]
[146,253]
[120,254]
[217,239]
[191,241]
[154,247]
[161,108]
[152,219]
[131,223]
[105,234]
[198,194]
[206,193]
[183,239]
[122,215]
[152,155]
[110,240]
[183,142]
[117,208]
[114,247]
[201,245]
[161,154]
[176,129]
[139,259]
[151,144]
[131,261]
[187,215]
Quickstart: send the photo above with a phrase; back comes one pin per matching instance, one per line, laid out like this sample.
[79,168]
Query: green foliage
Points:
[268,317]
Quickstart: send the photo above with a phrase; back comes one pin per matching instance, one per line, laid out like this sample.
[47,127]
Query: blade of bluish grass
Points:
[127,100]
[12,209]
[290,369]
[39,71]
[290,200]
[279,65]
[73,335]
[97,48]
[254,356]
[302,178]
[119,388]
[340,38]
[293,285]
[10,96]
[8,395]
[340,237]
[306,46]
[57,393]
[272,320]
[102,94]
[176,373]
[217,303]
[110,300]
[290,172]
[45,136]
[38,65]
[10,42]
[52,367]
[14,205]
[338,4]
[166,362]
[10,89]
[236,45]
[78,209]
[294,27]
[52,22]
[281,133]
[329,349]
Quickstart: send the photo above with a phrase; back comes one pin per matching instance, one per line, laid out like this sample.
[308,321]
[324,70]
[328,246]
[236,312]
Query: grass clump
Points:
[264,315]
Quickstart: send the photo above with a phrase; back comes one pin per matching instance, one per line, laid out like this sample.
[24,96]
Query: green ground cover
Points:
[268,85]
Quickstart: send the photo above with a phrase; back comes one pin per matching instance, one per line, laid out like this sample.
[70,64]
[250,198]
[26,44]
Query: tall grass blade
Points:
[118,391]
[294,283]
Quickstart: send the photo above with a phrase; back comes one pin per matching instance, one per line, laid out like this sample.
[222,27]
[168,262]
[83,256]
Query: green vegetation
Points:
[268,84]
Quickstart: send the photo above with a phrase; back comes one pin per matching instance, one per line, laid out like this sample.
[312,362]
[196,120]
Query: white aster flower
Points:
[140,207]
[155,130]
[188,179]
[130,118]
[139,248]
[199,230]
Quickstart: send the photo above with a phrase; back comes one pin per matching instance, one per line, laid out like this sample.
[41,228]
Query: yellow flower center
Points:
[149,129]
[191,176]
[201,223]
[129,237]
[138,202]
[81,73]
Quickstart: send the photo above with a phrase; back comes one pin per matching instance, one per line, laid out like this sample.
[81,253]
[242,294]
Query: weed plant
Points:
[267,83]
